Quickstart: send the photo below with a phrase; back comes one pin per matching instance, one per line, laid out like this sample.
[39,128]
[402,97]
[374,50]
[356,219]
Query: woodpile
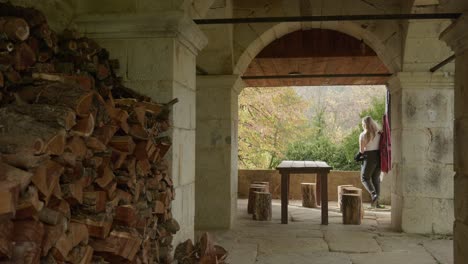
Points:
[82,171]
[204,252]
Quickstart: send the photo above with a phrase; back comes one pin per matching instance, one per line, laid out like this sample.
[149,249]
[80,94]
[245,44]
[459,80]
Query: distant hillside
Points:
[341,104]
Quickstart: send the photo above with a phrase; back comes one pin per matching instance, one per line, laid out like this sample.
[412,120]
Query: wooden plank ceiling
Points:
[315,52]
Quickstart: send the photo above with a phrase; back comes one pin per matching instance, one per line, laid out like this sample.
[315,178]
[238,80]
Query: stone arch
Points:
[389,54]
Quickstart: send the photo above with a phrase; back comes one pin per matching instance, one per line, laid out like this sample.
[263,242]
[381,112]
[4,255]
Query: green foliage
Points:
[269,120]
[273,126]
[340,156]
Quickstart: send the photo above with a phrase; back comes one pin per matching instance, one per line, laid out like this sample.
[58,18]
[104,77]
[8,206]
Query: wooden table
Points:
[320,168]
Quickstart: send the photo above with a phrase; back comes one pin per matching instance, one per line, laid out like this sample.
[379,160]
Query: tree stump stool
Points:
[340,192]
[262,210]
[267,184]
[308,195]
[251,201]
[355,191]
[352,208]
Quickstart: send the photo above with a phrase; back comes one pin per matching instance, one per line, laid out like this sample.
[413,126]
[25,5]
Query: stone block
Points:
[184,66]
[460,242]
[183,210]
[183,112]
[118,50]
[415,144]
[160,92]
[417,215]
[245,38]
[214,102]
[151,6]
[151,59]
[441,145]
[281,30]
[461,198]
[431,180]
[426,107]
[396,145]
[442,216]
[214,134]
[397,210]
[416,50]
[397,180]
[351,241]
[105,6]
[427,28]
[183,151]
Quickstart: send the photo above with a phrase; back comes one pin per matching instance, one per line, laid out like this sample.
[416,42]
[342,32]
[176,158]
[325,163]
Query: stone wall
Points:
[422,152]
[335,178]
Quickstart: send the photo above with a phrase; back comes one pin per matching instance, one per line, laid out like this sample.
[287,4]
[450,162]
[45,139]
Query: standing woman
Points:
[369,147]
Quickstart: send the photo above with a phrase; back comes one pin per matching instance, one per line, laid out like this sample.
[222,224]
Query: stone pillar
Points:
[456,36]
[422,145]
[216,151]
[157,55]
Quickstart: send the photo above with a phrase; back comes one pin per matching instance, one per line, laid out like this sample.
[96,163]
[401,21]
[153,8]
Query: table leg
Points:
[284,197]
[317,189]
[324,196]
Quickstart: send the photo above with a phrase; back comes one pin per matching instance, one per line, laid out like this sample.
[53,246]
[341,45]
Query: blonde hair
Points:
[371,128]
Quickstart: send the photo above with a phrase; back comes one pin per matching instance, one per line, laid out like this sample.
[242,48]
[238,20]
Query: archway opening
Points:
[286,113]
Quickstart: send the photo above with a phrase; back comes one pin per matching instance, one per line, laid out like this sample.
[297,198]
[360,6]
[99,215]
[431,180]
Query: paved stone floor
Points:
[304,240]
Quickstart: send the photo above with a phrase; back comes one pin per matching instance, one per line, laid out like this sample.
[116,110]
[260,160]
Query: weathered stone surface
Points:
[441,250]
[426,107]
[419,257]
[351,242]
[407,243]
[305,257]
[431,180]
[442,216]
[151,59]
[417,215]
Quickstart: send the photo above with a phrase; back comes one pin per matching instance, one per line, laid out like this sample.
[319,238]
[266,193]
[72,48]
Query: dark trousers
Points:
[370,172]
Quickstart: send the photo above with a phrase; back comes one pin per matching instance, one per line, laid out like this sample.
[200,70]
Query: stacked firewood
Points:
[204,252]
[82,174]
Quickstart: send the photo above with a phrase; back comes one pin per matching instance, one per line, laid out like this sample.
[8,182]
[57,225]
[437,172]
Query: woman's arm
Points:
[361,143]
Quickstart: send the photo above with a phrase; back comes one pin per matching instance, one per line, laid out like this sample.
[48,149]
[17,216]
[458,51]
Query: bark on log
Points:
[6,238]
[340,193]
[308,195]
[15,175]
[262,210]
[52,115]
[23,134]
[23,57]
[352,205]
[14,28]
[9,196]
[350,189]
[63,94]
[251,201]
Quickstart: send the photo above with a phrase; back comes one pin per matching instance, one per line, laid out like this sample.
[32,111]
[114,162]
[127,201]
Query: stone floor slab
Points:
[351,241]
[393,258]
[306,241]
[441,249]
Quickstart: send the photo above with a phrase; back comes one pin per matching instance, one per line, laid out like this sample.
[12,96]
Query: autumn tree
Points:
[269,120]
